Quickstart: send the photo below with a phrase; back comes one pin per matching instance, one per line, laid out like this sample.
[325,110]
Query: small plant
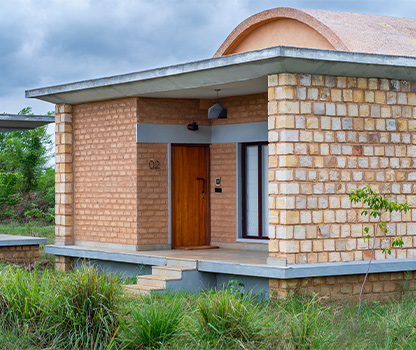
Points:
[376,205]
[152,323]
[32,215]
[236,287]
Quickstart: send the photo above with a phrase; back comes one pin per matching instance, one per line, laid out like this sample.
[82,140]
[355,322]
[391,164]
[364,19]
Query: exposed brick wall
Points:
[171,111]
[105,171]
[329,135]
[27,254]
[240,109]
[378,286]
[152,194]
[223,205]
[243,109]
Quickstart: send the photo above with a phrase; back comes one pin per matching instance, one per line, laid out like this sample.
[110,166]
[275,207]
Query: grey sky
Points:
[48,42]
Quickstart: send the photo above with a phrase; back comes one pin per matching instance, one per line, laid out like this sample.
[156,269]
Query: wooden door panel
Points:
[189,204]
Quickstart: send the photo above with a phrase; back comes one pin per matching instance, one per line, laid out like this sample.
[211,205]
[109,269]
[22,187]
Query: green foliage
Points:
[46,186]
[22,296]
[377,205]
[10,186]
[225,316]
[86,312]
[305,316]
[153,322]
[23,173]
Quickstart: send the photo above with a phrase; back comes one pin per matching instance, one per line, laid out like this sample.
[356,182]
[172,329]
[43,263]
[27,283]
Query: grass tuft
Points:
[224,316]
[86,314]
[153,322]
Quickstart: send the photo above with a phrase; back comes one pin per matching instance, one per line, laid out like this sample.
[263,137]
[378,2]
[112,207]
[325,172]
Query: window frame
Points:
[259,190]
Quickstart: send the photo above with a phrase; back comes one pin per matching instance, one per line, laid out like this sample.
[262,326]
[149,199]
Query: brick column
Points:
[63,179]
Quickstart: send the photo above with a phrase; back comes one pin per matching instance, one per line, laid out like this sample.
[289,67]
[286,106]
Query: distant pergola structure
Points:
[18,122]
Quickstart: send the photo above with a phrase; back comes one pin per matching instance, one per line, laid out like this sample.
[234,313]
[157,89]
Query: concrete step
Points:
[191,263]
[171,271]
[140,289]
[155,280]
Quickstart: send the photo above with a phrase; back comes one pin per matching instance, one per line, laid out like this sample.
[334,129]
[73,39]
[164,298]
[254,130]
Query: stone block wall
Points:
[378,286]
[327,136]
[63,175]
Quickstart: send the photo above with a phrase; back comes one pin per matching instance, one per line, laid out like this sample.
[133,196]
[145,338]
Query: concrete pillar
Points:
[64,200]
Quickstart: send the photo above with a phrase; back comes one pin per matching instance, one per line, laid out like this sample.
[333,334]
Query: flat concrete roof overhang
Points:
[17,122]
[238,74]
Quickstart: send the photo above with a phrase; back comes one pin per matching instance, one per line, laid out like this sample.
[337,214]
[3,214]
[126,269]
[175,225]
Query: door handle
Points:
[203,183]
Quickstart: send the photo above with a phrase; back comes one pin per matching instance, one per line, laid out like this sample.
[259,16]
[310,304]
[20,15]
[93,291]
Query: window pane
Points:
[265,190]
[251,189]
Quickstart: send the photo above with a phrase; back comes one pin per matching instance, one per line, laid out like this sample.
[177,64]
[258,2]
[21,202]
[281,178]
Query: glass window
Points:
[255,192]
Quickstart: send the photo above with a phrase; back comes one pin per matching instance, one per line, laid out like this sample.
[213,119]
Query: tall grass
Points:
[225,317]
[307,321]
[86,313]
[87,310]
[25,298]
[153,322]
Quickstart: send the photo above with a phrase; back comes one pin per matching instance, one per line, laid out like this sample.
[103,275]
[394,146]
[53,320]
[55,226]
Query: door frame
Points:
[208,192]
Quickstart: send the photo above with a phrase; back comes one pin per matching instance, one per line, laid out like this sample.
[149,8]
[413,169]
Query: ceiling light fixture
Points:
[217,111]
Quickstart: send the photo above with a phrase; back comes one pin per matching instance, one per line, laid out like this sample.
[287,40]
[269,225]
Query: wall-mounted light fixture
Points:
[192,126]
[217,111]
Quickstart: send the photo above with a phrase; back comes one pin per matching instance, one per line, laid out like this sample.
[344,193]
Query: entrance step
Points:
[140,289]
[191,263]
[157,281]
[171,271]
[162,276]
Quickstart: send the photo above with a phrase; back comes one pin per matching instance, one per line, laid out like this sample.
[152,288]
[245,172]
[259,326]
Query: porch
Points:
[213,268]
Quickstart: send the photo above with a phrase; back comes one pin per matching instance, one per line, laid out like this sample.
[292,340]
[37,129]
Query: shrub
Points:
[307,321]
[25,298]
[153,322]
[86,314]
[10,185]
[225,316]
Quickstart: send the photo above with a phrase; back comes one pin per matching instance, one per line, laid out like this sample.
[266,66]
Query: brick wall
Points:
[329,135]
[223,205]
[171,111]
[243,109]
[152,194]
[378,286]
[27,254]
[105,171]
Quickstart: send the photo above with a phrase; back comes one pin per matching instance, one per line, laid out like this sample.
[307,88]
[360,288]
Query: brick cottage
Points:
[318,103]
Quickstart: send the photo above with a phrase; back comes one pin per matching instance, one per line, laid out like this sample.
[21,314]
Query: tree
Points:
[375,206]
[25,152]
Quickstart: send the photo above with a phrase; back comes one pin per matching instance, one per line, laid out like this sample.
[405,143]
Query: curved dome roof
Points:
[325,30]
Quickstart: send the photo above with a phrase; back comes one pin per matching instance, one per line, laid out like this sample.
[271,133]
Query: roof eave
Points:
[18,122]
[198,79]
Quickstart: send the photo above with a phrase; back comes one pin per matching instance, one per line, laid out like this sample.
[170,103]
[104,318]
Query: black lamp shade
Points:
[217,112]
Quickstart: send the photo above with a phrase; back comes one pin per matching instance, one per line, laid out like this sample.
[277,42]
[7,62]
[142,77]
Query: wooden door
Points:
[190,195]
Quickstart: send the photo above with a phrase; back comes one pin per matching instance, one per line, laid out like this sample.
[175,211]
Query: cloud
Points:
[47,42]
